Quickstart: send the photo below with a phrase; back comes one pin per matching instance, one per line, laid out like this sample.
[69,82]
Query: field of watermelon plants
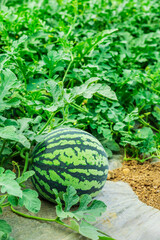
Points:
[91,65]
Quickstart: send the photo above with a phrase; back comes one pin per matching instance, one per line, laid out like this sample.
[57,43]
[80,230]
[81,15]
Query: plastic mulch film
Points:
[127,218]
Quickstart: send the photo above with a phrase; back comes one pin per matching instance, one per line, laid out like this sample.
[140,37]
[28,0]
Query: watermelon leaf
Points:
[4,227]
[59,209]
[70,198]
[88,230]
[91,212]
[91,232]
[87,211]
[10,133]
[13,200]
[30,200]
[74,225]
[8,183]
[25,176]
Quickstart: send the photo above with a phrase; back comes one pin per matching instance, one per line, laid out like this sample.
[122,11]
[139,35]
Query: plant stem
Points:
[103,98]
[32,217]
[157,91]
[16,164]
[104,234]
[78,107]
[57,220]
[5,204]
[3,146]
[59,124]
[3,199]
[14,154]
[20,65]
[48,122]
[147,124]
[26,163]
[3,159]
[141,160]
[69,65]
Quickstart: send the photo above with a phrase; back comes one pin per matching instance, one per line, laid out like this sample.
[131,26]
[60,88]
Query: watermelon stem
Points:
[104,234]
[16,164]
[57,220]
[3,146]
[66,72]
[26,163]
[48,122]
[147,124]
[78,107]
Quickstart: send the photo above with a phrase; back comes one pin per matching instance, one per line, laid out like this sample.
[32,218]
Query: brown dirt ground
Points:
[143,178]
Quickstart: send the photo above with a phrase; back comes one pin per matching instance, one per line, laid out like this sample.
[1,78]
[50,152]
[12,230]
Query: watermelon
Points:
[69,157]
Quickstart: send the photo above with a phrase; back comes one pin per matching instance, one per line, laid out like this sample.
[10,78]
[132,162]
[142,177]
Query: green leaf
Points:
[24,123]
[19,41]
[1,170]
[2,199]
[11,122]
[91,212]
[156,112]
[88,230]
[59,208]
[8,82]
[55,90]
[107,92]
[91,232]
[84,48]
[30,200]
[144,133]
[5,227]
[96,208]
[74,225]
[82,211]
[11,133]
[13,200]
[25,176]
[9,185]
[70,198]
[91,90]
[119,126]
[132,116]
[1,211]
[86,90]
[109,152]
[112,145]
[8,132]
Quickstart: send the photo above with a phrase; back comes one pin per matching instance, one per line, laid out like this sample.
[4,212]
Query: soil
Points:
[143,178]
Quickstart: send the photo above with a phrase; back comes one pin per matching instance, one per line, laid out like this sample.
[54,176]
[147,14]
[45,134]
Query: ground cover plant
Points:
[92,65]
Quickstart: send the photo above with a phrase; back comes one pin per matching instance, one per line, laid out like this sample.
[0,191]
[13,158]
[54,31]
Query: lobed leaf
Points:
[25,176]
[9,184]
[30,200]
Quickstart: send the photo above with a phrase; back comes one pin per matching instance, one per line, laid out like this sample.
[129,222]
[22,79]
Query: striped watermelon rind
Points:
[69,156]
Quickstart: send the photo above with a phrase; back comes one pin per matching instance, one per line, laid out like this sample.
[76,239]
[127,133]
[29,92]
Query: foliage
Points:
[80,212]
[14,194]
[92,65]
